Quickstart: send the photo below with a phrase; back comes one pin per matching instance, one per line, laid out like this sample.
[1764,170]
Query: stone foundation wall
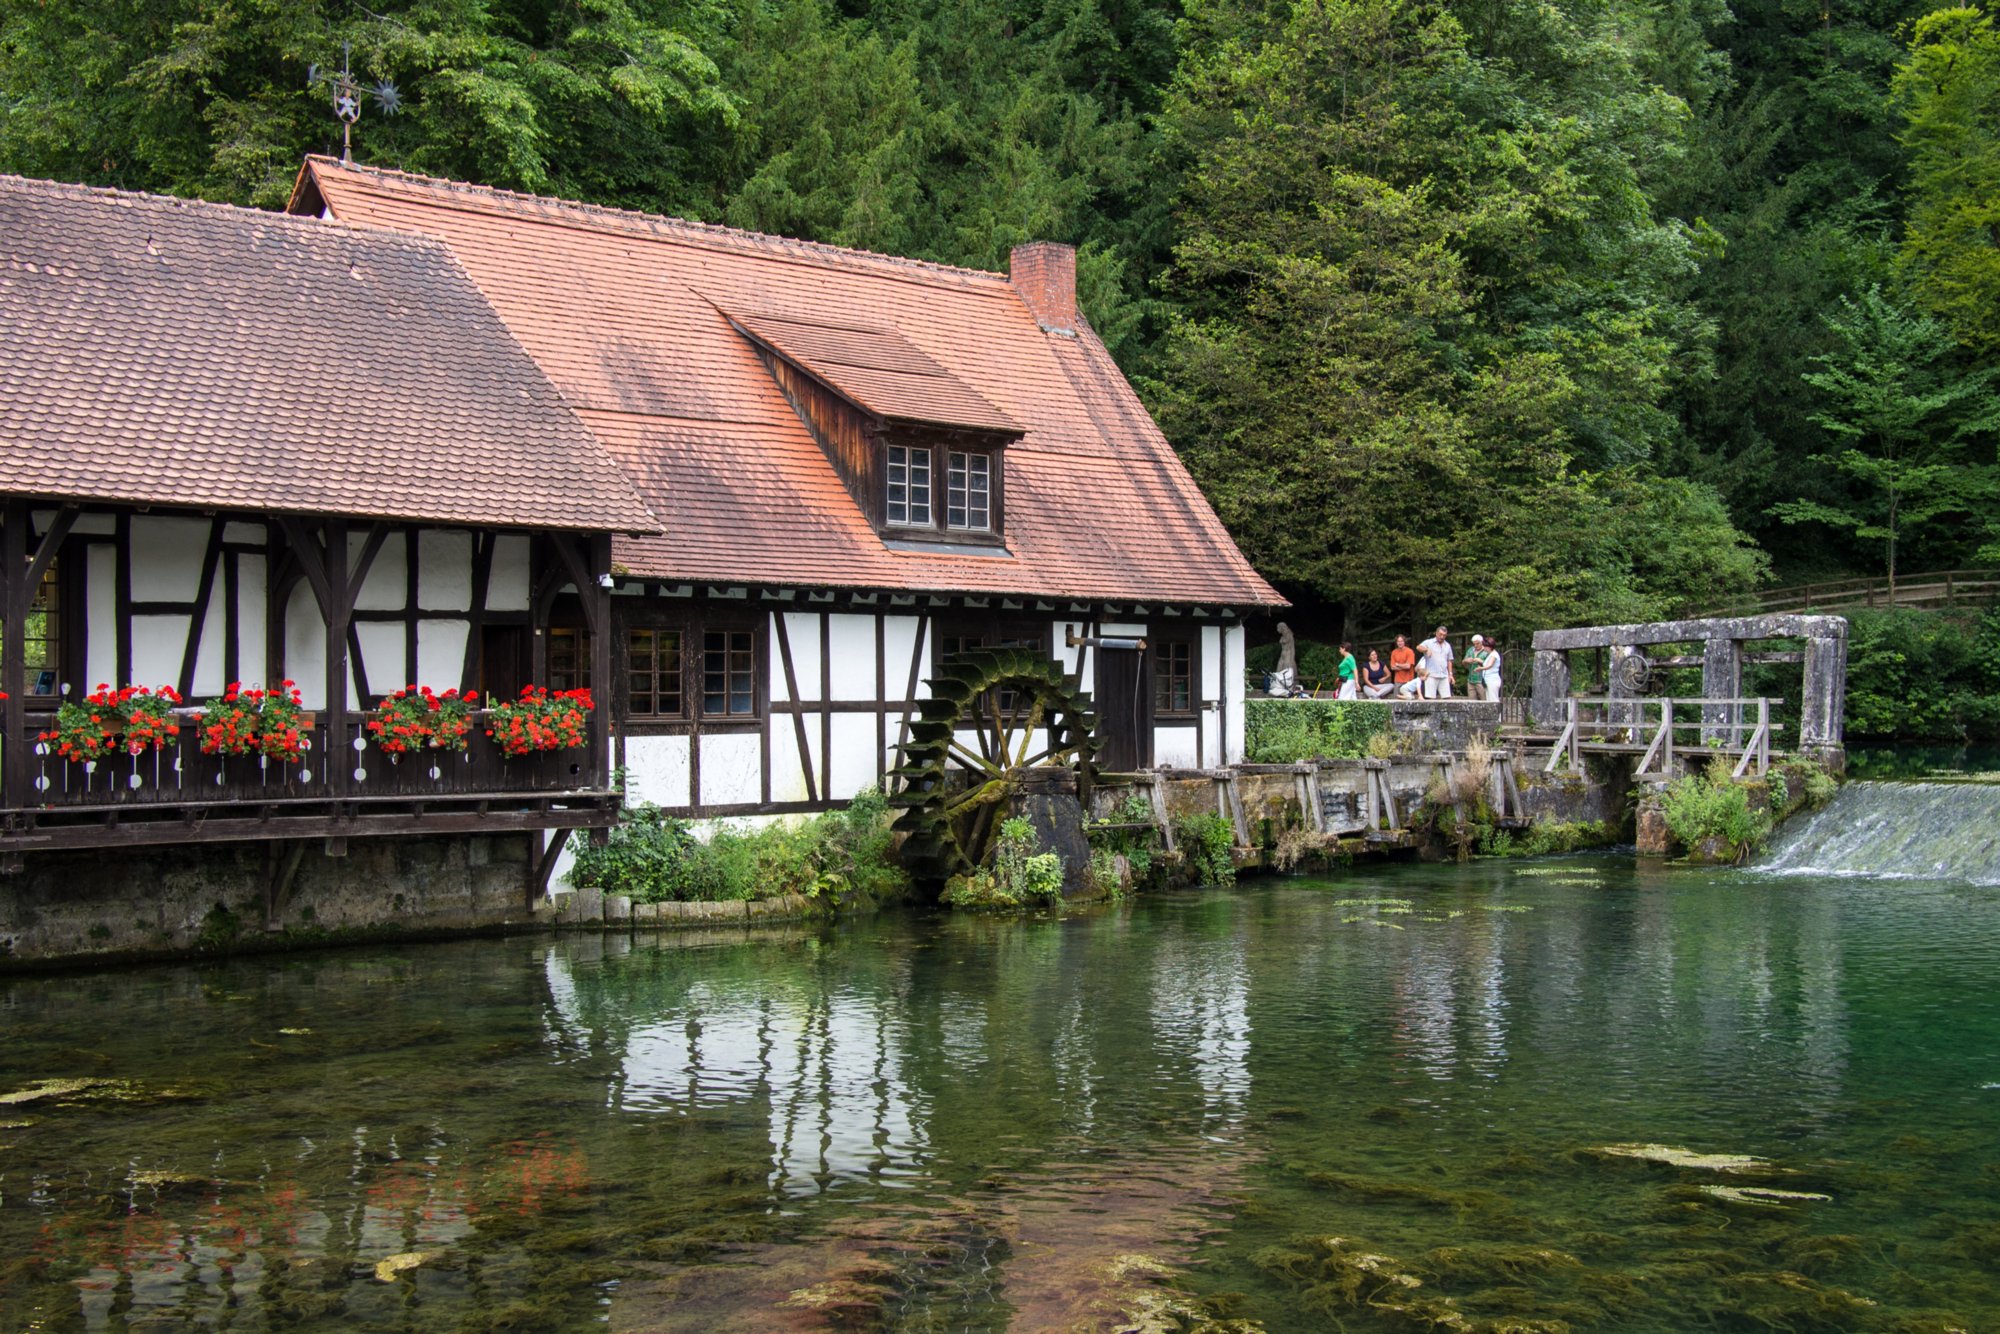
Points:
[160,902]
[1444,724]
[1600,794]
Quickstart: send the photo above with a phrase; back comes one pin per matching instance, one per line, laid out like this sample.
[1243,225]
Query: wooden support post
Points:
[282,868]
[542,861]
[339,611]
[16,595]
[1159,800]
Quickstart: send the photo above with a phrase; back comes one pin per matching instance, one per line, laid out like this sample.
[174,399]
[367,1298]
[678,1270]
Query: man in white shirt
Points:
[1437,656]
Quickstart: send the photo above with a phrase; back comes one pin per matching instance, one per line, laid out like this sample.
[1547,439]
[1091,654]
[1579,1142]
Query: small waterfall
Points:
[1943,831]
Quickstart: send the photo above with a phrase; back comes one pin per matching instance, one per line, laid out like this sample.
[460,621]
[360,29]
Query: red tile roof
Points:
[170,352]
[624,311]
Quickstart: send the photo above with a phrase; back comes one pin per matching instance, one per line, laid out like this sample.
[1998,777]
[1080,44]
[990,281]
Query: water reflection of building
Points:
[1201,1015]
[826,1067]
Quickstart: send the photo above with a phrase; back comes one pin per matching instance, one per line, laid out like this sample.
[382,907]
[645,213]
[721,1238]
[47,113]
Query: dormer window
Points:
[921,451]
[969,492]
[909,473]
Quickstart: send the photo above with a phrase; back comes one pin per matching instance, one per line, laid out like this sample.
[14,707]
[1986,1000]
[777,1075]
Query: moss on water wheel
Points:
[993,715]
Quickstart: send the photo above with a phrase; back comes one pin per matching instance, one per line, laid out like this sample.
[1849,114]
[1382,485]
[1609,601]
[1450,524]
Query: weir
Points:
[1945,831]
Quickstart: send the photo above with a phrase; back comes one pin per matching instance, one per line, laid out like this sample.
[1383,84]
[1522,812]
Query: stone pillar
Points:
[1551,687]
[1825,699]
[1721,678]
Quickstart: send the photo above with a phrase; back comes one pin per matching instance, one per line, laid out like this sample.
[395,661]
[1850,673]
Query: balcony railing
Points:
[182,775]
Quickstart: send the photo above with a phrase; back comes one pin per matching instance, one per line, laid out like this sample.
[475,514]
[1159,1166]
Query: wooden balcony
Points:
[180,795]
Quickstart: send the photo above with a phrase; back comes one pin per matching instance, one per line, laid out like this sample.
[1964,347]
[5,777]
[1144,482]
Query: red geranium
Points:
[253,722]
[133,719]
[417,717]
[540,720]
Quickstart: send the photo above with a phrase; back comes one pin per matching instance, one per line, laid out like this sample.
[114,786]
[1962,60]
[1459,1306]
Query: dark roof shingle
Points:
[173,352]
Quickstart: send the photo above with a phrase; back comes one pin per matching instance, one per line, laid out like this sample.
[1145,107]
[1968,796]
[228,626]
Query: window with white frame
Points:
[969,491]
[909,486]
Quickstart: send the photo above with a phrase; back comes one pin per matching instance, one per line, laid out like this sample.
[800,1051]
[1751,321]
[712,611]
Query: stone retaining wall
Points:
[209,898]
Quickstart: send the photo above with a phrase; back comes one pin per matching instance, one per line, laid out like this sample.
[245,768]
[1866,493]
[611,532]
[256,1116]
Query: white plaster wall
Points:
[1232,685]
[729,769]
[382,651]
[507,585]
[91,525]
[899,641]
[444,571]
[209,655]
[802,629]
[440,653]
[853,642]
[1174,747]
[657,770]
[854,754]
[157,645]
[166,560]
[788,780]
[100,574]
[305,646]
[252,597]
[252,533]
[387,586]
[1211,689]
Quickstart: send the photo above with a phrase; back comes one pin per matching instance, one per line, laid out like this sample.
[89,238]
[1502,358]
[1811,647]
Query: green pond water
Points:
[1376,1102]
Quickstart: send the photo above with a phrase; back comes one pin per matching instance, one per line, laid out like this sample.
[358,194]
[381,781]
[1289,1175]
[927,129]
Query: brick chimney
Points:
[1044,273]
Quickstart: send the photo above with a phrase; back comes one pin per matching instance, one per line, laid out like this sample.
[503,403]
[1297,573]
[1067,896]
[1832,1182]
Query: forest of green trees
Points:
[1510,312]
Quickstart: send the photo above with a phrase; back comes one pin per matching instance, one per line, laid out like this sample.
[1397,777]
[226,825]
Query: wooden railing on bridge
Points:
[1648,727]
[1940,588]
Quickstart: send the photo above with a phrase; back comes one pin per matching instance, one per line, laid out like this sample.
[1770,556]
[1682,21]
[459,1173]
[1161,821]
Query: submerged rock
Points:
[1746,1163]
[392,1267]
[1764,1197]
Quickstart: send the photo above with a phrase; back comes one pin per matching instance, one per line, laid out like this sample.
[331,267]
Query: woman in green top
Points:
[1347,672]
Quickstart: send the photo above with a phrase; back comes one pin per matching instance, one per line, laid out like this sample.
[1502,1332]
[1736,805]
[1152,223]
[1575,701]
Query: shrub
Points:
[654,857]
[1712,804]
[1020,875]
[1289,731]
[1207,842]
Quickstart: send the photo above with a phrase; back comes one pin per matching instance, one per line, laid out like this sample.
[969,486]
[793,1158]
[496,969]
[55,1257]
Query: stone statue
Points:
[1285,677]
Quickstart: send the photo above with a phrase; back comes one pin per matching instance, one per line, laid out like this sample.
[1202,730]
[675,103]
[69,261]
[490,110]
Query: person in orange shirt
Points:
[1402,661]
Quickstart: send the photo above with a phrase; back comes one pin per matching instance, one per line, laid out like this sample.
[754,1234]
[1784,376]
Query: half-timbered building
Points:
[239,446]
[861,464]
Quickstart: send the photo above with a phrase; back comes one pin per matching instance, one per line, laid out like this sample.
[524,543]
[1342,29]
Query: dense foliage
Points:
[1501,313]
[653,858]
[1920,676]
[1289,731]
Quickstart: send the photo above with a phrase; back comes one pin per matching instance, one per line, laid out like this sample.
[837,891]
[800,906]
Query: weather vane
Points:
[347,96]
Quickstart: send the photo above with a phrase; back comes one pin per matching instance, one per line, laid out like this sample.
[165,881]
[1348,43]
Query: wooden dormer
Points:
[922,453]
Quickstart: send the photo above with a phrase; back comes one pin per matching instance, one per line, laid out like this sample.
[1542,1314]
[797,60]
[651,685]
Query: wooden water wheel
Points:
[993,715]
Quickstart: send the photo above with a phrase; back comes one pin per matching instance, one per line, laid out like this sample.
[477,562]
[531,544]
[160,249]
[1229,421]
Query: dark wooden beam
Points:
[338,608]
[542,866]
[52,540]
[16,594]
[798,715]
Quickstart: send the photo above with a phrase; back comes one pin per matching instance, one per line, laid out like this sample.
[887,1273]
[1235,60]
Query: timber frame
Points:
[321,572]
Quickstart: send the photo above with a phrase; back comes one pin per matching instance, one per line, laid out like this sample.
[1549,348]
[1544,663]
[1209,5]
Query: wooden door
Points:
[1124,697]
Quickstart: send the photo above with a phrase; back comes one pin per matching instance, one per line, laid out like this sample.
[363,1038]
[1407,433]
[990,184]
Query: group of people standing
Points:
[1428,671]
